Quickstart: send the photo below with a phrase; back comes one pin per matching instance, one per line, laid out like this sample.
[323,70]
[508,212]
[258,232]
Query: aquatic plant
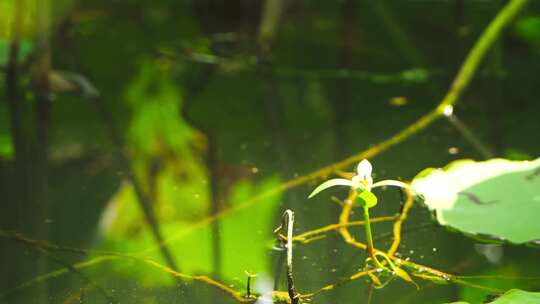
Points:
[361,185]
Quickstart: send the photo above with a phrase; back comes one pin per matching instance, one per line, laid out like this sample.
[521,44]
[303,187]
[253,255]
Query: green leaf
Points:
[367,198]
[518,296]
[514,296]
[512,274]
[173,175]
[191,243]
[498,197]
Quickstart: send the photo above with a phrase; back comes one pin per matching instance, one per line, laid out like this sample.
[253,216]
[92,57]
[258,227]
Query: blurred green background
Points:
[191,108]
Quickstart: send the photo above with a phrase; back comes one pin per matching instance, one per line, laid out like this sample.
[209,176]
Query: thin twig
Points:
[307,236]
[288,221]
[142,200]
[250,277]
[333,286]
[418,270]
[44,246]
[54,274]
[77,272]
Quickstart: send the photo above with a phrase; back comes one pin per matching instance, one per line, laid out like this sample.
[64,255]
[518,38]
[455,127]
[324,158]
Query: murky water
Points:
[156,161]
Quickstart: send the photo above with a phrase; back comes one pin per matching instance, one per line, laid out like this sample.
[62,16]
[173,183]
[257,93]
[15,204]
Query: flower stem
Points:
[369,238]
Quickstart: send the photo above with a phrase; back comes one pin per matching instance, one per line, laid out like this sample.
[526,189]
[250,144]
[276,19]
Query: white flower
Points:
[360,182]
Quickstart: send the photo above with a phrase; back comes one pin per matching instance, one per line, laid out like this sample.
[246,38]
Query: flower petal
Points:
[364,168]
[331,183]
[394,183]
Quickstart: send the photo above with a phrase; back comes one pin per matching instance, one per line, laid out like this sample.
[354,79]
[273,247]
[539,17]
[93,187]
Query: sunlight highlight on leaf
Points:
[498,197]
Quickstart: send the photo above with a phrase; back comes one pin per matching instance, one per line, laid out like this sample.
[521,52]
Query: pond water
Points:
[149,149]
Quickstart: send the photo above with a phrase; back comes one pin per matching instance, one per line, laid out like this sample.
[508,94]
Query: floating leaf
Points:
[518,296]
[514,296]
[509,275]
[497,197]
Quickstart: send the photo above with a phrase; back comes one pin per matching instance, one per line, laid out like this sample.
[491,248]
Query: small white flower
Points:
[360,182]
[363,180]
